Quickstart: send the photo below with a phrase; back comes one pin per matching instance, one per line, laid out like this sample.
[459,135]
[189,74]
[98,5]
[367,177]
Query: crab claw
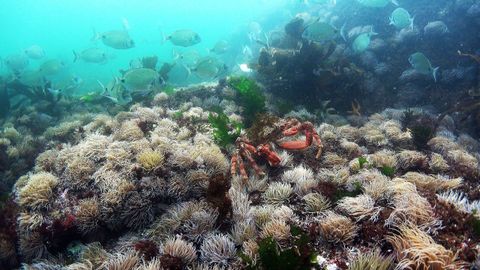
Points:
[294,145]
[272,157]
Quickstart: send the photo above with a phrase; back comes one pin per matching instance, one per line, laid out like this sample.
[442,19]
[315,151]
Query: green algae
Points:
[272,257]
[250,97]
[225,132]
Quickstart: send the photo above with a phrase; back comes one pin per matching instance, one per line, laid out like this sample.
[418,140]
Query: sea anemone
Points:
[95,254]
[412,208]
[352,149]
[382,158]
[277,229]
[336,228]
[128,131]
[243,231]
[415,249]
[374,136]
[360,207]
[87,215]
[36,194]
[150,159]
[32,246]
[442,145]
[154,264]
[277,193]
[371,261]
[240,204]
[250,248]
[462,160]
[46,161]
[296,174]
[63,131]
[137,211]
[30,221]
[199,224]
[377,189]
[456,198]
[432,183]
[78,171]
[316,202]
[122,261]
[286,159]
[160,98]
[181,249]
[305,186]
[218,249]
[348,132]
[332,160]
[437,163]
[407,160]
[262,214]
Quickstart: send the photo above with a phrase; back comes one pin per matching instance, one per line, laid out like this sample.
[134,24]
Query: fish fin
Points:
[102,86]
[189,72]
[96,36]
[411,22]
[175,55]
[342,32]
[435,73]
[308,26]
[75,56]
[125,24]
[164,38]
[267,40]
[395,2]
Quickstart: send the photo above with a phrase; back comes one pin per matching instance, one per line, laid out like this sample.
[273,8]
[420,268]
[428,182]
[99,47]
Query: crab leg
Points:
[234,161]
[272,157]
[254,165]
[319,144]
[243,172]
[294,145]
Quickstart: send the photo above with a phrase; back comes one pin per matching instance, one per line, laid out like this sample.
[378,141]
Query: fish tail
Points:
[75,56]
[435,73]
[175,55]
[189,72]
[342,32]
[95,36]
[164,38]
[125,24]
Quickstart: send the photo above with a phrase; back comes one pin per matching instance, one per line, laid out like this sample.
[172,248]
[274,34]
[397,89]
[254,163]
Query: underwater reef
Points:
[152,187]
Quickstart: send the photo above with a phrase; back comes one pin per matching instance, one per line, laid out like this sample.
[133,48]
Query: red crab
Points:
[292,127]
[246,150]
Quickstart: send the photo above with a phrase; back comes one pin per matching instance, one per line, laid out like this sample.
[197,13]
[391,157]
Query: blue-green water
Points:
[62,26]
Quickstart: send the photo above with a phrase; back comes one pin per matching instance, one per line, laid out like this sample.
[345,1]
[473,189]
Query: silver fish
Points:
[117,39]
[91,55]
[35,52]
[184,38]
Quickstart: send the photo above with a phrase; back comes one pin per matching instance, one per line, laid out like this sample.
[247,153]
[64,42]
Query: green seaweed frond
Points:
[388,171]
[475,223]
[271,256]
[342,193]
[225,132]
[168,89]
[421,134]
[362,161]
[250,97]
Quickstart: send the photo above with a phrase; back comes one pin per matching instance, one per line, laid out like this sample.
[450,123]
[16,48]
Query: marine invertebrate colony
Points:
[160,182]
